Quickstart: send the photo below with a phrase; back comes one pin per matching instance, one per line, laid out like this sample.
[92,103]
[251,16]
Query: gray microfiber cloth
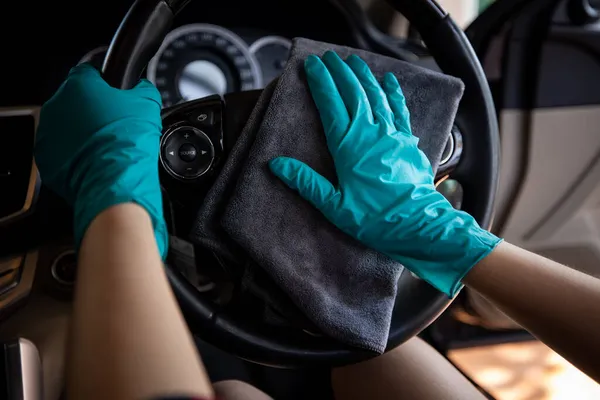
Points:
[347,290]
[207,230]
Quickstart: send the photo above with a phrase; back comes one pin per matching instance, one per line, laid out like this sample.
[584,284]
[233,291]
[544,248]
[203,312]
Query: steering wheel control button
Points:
[186,152]
[205,117]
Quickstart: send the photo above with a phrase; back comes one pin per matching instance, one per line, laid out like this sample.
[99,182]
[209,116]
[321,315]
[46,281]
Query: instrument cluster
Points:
[199,60]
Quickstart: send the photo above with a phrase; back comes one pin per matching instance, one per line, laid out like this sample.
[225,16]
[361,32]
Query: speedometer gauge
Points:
[199,60]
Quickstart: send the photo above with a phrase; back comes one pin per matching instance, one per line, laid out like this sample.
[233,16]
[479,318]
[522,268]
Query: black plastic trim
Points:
[367,35]
[13,369]
[568,49]
[490,21]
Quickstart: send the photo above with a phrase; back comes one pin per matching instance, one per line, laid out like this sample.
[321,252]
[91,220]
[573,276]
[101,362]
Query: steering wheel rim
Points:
[136,41]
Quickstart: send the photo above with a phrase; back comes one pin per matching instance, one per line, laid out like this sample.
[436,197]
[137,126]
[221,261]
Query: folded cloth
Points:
[207,230]
[347,290]
[278,309]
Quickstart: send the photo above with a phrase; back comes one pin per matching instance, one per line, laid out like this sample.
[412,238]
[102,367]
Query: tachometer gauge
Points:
[272,53]
[199,60]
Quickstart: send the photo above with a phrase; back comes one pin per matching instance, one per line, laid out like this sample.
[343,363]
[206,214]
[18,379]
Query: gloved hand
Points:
[97,146]
[386,196]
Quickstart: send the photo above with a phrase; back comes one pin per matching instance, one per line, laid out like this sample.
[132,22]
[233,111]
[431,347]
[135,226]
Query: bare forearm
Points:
[128,338]
[559,305]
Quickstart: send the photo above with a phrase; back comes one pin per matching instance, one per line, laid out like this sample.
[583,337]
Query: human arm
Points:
[557,304]
[128,337]
[97,147]
[386,198]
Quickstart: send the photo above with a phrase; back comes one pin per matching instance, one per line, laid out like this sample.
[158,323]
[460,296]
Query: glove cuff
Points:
[487,243]
[447,276]
[90,203]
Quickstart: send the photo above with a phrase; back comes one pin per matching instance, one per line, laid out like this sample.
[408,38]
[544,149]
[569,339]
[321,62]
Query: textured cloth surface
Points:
[207,230]
[345,289]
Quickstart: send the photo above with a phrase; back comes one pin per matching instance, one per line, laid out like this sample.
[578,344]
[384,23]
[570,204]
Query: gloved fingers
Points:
[332,110]
[86,72]
[377,97]
[84,68]
[80,77]
[310,185]
[146,89]
[349,86]
[397,103]
[145,84]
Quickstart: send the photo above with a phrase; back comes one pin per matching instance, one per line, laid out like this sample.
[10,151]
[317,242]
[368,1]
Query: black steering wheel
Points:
[418,304]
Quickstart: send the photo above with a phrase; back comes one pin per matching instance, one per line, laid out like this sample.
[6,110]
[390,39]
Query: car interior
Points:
[523,158]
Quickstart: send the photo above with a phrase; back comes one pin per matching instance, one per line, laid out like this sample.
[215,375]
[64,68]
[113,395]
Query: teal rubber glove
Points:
[97,146]
[386,196]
